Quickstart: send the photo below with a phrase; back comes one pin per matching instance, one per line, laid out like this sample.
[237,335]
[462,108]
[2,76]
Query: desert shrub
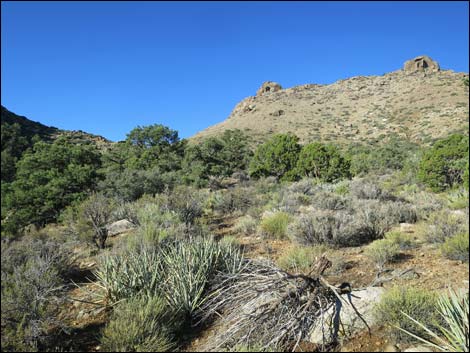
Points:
[443,165]
[363,222]
[235,200]
[275,224]
[456,247]
[426,203]
[378,217]
[417,303]
[286,201]
[141,324]
[457,199]
[156,224]
[328,227]
[382,251]
[304,186]
[246,225]
[363,189]
[190,265]
[187,202]
[403,241]
[329,201]
[301,258]
[33,275]
[443,225]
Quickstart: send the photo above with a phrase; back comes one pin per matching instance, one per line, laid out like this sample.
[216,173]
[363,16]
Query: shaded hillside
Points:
[20,133]
[419,103]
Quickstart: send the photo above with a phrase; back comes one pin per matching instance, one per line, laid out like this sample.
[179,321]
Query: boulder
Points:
[342,320]
[268,87]
[421,64]
[119,227]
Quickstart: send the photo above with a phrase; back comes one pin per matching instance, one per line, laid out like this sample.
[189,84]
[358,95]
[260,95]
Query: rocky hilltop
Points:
[420,102]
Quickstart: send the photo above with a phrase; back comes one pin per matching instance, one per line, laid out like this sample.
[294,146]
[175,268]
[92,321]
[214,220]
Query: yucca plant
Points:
[190,265]
[125,275]
[454,335]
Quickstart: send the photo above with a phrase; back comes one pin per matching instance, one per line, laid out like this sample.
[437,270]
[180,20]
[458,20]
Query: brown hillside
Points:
[419,102]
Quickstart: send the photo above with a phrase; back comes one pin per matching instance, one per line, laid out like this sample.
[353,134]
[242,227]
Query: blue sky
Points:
[106,67]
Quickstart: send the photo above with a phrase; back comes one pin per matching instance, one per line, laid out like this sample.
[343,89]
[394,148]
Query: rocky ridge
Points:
[420,102]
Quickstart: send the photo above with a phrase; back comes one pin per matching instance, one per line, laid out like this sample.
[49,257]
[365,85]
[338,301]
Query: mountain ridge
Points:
[419,102]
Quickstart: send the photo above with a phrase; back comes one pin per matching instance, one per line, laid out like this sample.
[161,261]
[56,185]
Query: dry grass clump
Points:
[301,258]
[141,324]
[275,224]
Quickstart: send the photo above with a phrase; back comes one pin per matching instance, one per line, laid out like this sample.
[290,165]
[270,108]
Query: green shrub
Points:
[382,251]
[245,225]
[275,225]
[276,157]
[456,247]
[443,165]
[141,324]
[33,275]
[324,162]
[417,303]
[403,241]
[236,200]
[300,258]
[454,334]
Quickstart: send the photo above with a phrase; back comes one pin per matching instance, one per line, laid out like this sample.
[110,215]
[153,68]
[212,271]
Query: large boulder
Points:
[119,227]
[421,64]
[342,320]
[268,87]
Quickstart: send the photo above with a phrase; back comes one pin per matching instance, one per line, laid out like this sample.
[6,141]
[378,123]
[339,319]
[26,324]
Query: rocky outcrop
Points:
[421,63]
[268,87]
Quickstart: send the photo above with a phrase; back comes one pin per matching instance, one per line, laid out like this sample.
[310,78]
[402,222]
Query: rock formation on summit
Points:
[268,87]
[421,63]
[417,102]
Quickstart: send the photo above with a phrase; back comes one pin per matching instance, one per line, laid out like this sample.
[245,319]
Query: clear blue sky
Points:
[106,67]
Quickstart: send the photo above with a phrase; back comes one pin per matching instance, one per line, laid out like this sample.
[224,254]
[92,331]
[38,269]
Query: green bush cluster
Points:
[33,275]
[417,303]
[443,165]
[141,324]
[275,224]
[456,247]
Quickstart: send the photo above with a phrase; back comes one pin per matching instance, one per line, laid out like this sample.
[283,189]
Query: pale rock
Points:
[363,300]
[119,227]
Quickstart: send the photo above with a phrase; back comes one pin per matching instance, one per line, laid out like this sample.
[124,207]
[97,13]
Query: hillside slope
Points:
[419,102]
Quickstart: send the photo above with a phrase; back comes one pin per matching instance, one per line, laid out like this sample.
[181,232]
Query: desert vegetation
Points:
[216,233]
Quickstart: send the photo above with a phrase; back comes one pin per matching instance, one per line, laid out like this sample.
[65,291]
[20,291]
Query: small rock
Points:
[390,348]
[418,349]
